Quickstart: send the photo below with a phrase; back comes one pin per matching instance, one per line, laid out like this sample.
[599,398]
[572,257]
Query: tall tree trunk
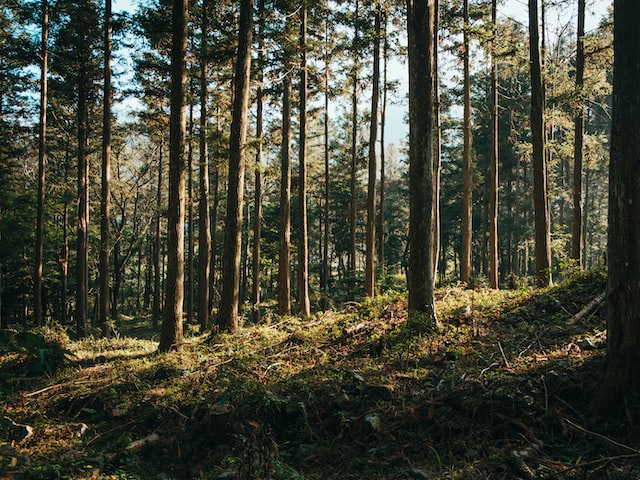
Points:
[229,301]
[420,24]
[577,242]
[353,213]
[324,278]
[157,272]
[303,241]
[370,269]
[42,161]
[467,173]
[493,187]
[383,146]
[105,220]
[436,143]
[64,263]
[622,379]
[257,213]
[82,249]
[190,220]
[542,228]
[214,232]
[204,230]
[284,241]
[171,333]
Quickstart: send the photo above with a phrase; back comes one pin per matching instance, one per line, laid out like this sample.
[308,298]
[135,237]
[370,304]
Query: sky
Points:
[397,129]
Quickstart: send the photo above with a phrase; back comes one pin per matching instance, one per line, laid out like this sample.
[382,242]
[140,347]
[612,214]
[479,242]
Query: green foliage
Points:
[44,355]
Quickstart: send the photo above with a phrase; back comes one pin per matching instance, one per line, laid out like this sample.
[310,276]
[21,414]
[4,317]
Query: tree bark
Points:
[284,241]
[467,174]
[436,145]
[157,273]
[542,228]
[105,216]
[420,24]
[577,242]
[257,213]
[370,268]
[383,146]
[82,248]
[353,213]
[622,380]
[303,243]
[190,226]
[229,302]
[324,278]
[493,187]
[204,231]
[171,333]
[42,162]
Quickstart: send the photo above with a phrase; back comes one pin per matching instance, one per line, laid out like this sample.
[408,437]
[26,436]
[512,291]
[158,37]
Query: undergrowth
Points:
[500,390]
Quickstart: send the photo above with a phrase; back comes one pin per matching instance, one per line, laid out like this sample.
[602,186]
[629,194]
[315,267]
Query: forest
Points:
[331,239]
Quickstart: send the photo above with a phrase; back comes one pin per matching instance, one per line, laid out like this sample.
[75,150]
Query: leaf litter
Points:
[502,391]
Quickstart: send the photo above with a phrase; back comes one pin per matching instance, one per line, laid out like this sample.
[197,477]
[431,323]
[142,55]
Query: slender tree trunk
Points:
[214,233]
[42,161]
[542,228]
[577,242]
[420,25]
[64,263]
[190,219]
[157,272]
[204,230]
[370,269]
[493,188]
[171,333]
[436,143]
[105,220]
[257,213]
[383,146]
[621,385]
[284,242]
[284,267]
[324,279]
[82,249]
[353,214]
[303,243]
[229,301]
[467,173]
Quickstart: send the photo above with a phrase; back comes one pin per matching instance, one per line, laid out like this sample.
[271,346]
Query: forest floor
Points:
[503,391]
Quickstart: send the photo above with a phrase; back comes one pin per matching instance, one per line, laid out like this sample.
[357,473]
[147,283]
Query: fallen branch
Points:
[602,437]
[587,309]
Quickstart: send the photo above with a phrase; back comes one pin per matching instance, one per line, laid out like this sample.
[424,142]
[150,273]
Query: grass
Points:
[501,391]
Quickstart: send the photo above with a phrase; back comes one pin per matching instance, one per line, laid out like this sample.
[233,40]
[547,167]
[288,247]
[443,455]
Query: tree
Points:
[495,143]
[171,333]
[106,175]
[467,173]
[284,241]
[420,24]
[370,271]
[204,231]
[324,276]
[257,212]
[42,161]
[540,203]
[622,379]
[303,241]
[353,210]
[577,241]
[437,144]
[229,301]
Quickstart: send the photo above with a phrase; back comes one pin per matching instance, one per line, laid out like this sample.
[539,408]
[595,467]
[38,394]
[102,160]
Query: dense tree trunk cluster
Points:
[314,118]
